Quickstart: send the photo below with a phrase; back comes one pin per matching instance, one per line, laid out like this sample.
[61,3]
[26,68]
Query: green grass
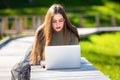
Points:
[2,37]
[103,51]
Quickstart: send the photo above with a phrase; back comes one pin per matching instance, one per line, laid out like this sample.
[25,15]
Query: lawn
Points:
[103,51]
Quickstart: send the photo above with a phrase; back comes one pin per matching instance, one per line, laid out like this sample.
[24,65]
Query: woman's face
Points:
[57,22]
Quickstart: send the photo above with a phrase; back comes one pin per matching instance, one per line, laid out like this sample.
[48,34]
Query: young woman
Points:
[56,30]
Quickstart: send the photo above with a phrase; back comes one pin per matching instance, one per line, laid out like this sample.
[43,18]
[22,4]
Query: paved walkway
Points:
[12,53]
[87,31]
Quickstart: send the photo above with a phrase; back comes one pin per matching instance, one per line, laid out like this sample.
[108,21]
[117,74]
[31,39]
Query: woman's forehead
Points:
[57,16]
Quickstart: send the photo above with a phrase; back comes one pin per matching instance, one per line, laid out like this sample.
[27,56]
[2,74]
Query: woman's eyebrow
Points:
[61,18]
[58,19]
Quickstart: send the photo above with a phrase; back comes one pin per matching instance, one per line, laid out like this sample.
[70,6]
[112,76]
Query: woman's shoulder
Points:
[70,34]
[72,31]
[72,38]
[75,33]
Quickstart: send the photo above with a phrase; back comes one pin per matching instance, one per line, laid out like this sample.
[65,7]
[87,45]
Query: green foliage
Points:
[47,3]
[89,21]
[103,51]
[10,23]
[29,23]
[103,8]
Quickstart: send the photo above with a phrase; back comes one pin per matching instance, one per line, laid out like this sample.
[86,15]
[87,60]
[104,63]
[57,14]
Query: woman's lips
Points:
[57,27]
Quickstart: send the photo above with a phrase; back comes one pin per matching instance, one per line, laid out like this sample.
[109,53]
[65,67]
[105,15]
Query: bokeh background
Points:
[101,49]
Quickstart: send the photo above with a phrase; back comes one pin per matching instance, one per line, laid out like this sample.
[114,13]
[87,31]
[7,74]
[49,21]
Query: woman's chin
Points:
[58,30]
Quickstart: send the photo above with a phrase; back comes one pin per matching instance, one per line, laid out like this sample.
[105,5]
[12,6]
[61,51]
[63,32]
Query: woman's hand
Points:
[43,64]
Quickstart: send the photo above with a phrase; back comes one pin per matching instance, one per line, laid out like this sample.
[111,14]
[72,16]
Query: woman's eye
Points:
[61,21]
[53,21]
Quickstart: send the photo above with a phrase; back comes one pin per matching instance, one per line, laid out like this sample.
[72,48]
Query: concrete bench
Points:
[86,72]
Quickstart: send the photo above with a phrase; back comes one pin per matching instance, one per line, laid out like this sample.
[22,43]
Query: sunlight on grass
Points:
[103,51]
[106,43]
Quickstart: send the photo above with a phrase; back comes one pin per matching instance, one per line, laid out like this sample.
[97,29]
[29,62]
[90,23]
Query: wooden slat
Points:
[86,72]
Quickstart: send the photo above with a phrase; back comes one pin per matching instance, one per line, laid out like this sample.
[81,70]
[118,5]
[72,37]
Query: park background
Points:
[101,49]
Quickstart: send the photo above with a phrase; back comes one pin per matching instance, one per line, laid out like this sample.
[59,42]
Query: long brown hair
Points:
[43,35]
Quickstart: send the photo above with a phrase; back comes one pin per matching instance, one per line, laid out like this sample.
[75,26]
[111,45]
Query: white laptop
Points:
[62,57]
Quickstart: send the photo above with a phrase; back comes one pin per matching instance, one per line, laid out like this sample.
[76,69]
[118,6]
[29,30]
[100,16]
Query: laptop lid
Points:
[59,57]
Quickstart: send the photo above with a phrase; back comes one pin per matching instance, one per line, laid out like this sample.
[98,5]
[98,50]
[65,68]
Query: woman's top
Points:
[58,39]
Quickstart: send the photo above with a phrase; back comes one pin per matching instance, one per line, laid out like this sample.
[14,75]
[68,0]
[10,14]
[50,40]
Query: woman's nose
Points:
[57,23]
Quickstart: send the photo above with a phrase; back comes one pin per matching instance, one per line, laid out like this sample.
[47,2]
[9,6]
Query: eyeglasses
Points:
[60,21]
